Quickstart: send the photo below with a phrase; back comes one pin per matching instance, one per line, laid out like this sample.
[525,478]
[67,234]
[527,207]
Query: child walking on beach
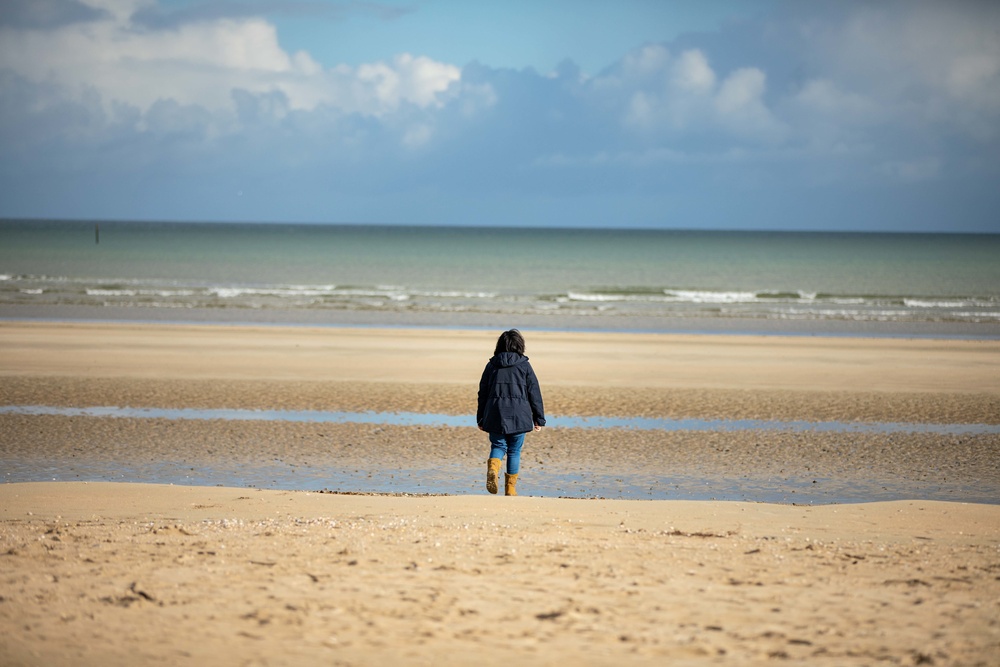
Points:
[510,405]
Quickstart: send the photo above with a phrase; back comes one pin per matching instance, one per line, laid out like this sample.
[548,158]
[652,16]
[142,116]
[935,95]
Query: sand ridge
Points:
[419,370]
[456,356]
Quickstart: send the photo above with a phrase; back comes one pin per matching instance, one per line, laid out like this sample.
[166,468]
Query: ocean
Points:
[564,278]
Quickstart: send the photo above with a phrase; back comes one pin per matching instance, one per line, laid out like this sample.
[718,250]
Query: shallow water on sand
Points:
[431,419]
[461,478]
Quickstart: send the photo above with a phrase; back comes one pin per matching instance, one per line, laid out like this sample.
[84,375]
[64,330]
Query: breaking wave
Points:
[788,304]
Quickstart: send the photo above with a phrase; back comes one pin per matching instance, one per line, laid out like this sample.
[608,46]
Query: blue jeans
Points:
[510,445]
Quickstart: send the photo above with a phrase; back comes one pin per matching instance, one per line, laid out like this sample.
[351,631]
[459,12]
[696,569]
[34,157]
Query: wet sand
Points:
[427,371]
[150,574]
[436,371]
[773,466]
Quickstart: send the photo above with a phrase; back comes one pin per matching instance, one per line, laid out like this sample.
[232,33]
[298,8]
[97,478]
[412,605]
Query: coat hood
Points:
[507,359]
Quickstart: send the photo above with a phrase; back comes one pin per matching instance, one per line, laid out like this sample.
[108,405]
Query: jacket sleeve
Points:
[535,398]
[484,392]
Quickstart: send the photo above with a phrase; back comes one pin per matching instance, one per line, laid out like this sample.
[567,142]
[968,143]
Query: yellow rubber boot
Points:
[492,474]
[510,485]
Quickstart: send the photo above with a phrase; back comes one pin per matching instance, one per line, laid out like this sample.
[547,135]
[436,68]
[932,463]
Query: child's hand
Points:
[537,427]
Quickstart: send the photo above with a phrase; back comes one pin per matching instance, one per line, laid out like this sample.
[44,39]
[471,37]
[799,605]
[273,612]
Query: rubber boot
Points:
[510,485]
[492,474]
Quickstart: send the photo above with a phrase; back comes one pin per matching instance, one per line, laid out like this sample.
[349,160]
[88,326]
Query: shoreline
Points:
[120,574]
[576,323]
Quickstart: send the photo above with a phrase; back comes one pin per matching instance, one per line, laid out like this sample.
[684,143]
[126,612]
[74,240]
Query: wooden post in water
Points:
[97,233]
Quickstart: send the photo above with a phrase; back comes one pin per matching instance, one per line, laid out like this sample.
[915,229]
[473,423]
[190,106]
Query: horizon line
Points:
[444,225]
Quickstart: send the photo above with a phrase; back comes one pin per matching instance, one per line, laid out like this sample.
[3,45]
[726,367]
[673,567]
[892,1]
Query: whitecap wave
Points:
[700,296]
[139,292]
[280,291]
[947,303]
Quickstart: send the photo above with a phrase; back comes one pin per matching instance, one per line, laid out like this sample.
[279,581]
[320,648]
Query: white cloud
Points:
[650,60]
[657,91]
[201,63]
[417,80]
[935,62]
[740,92]
[195,64]
[692,73]
[475,97]
[121,10]
[740,106]
[683,95]
[642,110]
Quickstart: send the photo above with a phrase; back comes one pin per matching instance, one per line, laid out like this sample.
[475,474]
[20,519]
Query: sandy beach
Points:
[98,573]
[116,574]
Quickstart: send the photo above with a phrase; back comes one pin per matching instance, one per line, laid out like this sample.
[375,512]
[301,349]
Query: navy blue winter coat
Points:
[510,400]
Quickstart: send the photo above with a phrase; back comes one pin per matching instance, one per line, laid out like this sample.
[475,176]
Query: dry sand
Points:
[115,574]
[146,574]
[422,370]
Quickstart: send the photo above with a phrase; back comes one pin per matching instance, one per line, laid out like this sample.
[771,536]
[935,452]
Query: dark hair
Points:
[510,341]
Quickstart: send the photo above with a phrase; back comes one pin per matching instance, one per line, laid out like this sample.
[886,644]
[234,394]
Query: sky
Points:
[834,115]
